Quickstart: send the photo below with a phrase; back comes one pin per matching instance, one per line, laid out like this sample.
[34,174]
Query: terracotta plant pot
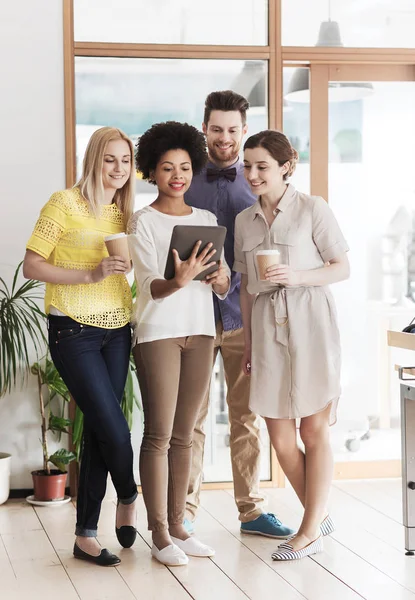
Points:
[49,487]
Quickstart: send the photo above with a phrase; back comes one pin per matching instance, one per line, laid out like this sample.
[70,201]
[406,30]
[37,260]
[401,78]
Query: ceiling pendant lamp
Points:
[339,91]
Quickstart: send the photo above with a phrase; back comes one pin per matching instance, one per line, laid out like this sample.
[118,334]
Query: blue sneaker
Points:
[188,525]
[268,525]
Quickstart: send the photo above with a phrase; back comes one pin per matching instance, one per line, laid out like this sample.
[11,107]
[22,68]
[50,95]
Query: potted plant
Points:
[48,483]
[21,320]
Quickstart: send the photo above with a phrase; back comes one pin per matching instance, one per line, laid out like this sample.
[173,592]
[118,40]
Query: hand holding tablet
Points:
[195,251]
[197,263]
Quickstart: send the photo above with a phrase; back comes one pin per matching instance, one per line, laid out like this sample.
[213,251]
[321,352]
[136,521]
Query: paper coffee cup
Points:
[117,245]
[265,259]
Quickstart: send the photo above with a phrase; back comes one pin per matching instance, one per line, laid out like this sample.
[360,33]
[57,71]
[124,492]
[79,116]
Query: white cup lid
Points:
[268,252]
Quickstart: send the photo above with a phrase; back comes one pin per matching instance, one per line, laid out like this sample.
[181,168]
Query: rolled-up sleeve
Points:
[327,234]
[144,256]
[240,263]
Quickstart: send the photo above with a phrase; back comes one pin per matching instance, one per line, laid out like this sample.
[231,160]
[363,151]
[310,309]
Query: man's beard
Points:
[224,157]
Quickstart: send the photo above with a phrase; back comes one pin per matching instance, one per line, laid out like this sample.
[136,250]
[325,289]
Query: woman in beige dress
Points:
[292,347]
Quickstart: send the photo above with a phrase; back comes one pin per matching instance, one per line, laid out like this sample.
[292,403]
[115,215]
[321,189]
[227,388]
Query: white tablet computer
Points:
[184,238]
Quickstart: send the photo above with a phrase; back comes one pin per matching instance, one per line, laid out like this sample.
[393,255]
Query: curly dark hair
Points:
[161,138]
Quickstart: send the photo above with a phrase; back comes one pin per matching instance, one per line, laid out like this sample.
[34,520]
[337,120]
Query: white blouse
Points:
[189,311]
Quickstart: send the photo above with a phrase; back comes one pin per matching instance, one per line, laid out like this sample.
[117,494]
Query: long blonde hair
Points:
[90,183]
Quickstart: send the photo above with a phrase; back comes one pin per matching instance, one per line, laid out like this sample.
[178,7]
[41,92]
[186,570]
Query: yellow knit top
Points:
[68,235]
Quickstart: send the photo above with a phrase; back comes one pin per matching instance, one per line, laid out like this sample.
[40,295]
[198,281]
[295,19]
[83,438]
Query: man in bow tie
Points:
[222,189]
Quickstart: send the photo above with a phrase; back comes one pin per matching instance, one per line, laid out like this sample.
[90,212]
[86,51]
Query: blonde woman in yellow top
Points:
[88,302]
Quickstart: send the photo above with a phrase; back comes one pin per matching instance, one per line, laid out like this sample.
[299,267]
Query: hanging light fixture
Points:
[251,82]
[339,91]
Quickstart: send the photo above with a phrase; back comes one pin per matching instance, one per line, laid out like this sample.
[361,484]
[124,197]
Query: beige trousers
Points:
[174,376]
[245,443]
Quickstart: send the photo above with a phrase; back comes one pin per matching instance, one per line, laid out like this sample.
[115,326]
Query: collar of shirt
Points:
[283,204]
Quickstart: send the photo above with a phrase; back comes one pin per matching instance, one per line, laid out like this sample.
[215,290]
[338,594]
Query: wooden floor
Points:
[364,558]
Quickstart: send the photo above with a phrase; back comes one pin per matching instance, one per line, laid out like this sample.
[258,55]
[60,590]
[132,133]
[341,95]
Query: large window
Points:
[234,22]
[374,202]
[134,93]
[352,23]
[296,125]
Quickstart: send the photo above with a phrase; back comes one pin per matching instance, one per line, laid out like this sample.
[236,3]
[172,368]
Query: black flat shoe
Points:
[104,559]
[126,535]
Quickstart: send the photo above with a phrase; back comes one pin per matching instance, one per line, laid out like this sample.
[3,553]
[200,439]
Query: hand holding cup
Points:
[117,245]
[266,259]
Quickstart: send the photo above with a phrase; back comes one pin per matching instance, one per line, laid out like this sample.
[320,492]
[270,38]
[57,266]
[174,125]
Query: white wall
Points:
[32,166]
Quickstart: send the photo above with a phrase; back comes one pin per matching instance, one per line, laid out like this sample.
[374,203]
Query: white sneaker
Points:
[193,547]
[171,556]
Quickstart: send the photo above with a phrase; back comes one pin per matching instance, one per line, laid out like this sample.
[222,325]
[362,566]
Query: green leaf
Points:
[20,320]
[15,277]
[50,377]
[54,381]
[5,290]
[59,423]
[61,458]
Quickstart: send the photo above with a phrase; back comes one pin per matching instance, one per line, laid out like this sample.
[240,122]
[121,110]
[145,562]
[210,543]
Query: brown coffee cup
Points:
[117,245]
[265,259]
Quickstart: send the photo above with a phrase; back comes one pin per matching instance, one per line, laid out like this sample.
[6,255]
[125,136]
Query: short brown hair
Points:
[278,146]
[227,101]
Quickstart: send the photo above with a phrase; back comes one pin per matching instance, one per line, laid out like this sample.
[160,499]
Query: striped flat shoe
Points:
[327,526]
[286,552]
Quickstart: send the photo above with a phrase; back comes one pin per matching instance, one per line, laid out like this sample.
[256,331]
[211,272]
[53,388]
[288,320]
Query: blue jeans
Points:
[93,363]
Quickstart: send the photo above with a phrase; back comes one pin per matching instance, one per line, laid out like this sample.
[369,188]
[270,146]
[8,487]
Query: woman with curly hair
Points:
[174,330]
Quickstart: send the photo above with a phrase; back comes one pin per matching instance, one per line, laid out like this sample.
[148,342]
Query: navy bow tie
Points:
[214,174]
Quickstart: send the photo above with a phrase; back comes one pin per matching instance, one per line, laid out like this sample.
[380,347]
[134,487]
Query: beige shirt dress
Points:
[295,362]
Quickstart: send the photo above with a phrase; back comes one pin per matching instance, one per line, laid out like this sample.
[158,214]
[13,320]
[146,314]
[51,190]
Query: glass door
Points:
[369,182]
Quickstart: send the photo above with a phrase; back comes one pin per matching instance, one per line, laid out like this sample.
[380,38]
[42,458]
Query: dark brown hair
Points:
[226,100]
[278,146]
